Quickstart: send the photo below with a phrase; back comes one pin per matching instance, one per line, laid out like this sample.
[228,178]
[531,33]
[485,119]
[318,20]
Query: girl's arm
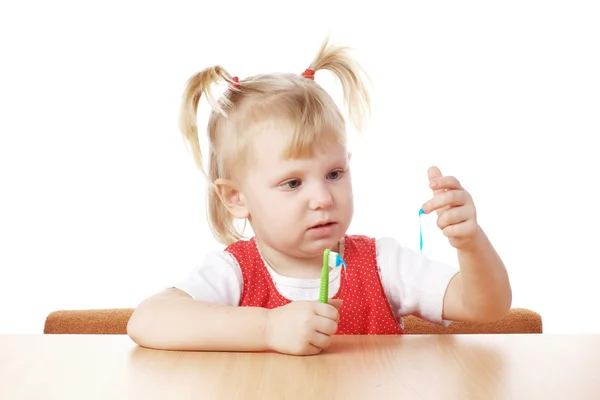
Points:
[172,320]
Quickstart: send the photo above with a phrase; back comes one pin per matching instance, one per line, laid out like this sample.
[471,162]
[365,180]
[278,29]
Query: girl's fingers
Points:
[450,198]
[444,183]
[453,216]
[320,340]
[462,230]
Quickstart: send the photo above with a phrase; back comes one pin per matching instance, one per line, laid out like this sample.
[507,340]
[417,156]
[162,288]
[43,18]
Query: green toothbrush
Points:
[331,259]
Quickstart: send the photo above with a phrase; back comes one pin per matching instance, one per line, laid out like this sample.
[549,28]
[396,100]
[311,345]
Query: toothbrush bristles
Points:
[335,260]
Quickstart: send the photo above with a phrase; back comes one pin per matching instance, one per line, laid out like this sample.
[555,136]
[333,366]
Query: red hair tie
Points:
[309,74]
[235,79]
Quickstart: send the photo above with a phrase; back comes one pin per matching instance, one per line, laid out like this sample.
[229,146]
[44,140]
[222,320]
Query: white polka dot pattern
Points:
[365,311]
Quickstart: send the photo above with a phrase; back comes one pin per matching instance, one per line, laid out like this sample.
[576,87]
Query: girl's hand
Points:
[457,217]
[302,327]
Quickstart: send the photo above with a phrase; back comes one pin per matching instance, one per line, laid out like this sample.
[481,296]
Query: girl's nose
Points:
[320,198]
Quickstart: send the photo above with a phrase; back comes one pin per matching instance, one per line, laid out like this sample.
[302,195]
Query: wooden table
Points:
[361,367]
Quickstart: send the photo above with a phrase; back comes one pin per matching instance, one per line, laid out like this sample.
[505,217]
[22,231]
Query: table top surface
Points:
[353,367]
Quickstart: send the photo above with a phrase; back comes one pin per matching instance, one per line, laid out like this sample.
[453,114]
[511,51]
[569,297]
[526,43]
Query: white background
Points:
[101,204]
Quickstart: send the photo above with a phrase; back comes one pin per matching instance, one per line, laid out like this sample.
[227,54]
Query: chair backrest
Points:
[114,321]
[111,321]
[517,320]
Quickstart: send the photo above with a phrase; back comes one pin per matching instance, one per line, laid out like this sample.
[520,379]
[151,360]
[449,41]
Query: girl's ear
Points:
[231,198]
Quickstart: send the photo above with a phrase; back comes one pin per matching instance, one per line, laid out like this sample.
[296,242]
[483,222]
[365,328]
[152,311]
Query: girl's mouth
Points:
[323,225]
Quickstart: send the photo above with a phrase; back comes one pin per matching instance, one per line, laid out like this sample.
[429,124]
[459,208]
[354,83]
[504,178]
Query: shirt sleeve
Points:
[414,284]
[217,280]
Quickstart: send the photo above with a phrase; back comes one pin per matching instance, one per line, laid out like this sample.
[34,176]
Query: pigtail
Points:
[340,62]
[220,219]
[197,85]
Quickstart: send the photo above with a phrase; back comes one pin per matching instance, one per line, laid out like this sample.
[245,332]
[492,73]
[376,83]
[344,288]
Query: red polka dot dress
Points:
[365,311]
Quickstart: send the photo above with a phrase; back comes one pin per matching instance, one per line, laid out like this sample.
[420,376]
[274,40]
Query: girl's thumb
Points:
[337,303]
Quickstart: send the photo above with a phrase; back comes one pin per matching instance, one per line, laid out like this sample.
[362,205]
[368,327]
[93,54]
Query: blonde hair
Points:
[248,103]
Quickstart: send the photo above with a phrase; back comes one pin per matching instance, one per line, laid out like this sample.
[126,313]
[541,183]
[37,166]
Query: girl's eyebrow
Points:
[294,171]
[289,173]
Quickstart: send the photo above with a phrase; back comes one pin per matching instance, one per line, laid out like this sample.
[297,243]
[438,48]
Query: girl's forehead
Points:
[269,149]
[283,145]
[272,156]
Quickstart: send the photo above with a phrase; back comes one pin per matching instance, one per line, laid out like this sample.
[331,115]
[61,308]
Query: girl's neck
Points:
[292,267]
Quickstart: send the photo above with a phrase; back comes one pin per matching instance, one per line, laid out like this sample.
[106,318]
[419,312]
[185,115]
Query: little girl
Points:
[278,159]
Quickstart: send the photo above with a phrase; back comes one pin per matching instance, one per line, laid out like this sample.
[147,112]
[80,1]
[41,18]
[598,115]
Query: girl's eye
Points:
[293,184]
[335,175]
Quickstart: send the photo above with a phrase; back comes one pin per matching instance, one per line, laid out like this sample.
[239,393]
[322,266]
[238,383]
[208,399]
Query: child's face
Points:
[287,198]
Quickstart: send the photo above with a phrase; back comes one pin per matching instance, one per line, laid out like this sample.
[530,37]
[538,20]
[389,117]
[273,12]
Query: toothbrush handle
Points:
[324,289]
[324,292]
